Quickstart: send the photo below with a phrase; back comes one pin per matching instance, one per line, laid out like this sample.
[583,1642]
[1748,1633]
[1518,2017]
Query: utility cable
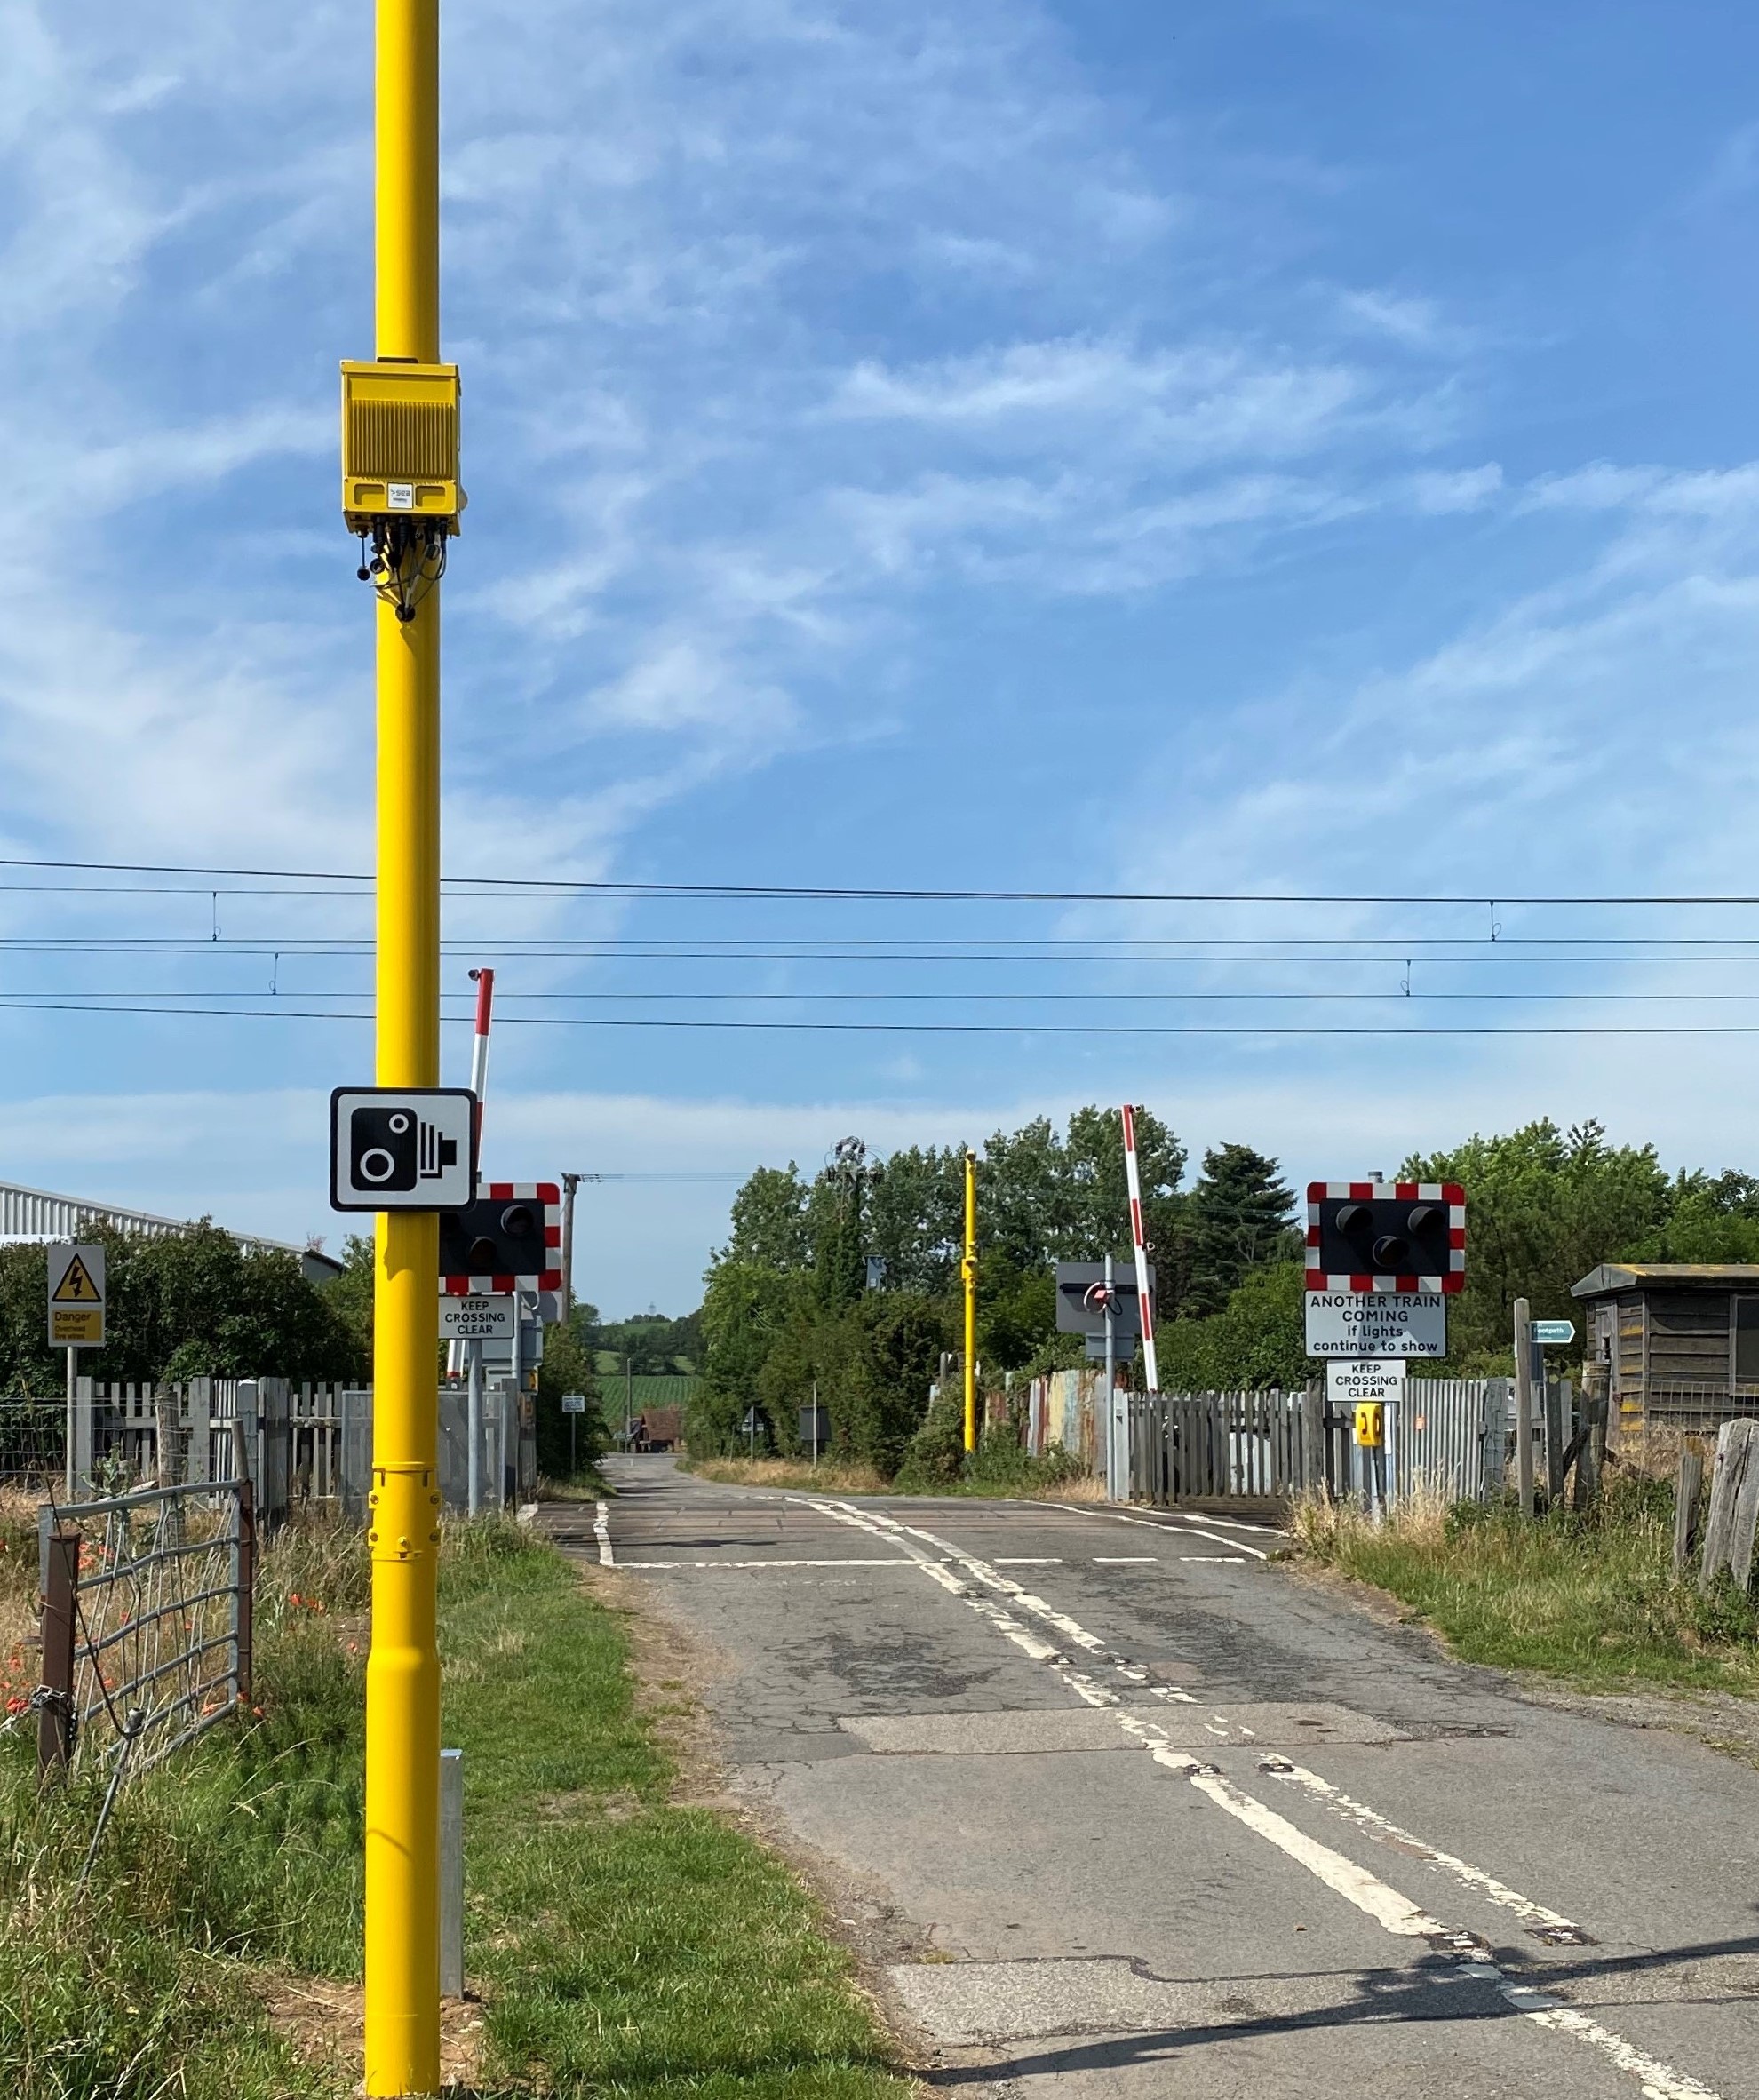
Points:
[907,1027]
[853,892]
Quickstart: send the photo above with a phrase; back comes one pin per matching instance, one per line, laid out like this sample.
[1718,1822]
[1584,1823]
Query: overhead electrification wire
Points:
[899,1028]
[462,1004]
[500,885]
[1388,948]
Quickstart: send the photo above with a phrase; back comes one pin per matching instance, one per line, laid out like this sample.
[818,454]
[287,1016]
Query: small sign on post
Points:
[574,1405]
[76,1298]
[76,1284]
[1552,1334]
[478,1318]
[1371,1325]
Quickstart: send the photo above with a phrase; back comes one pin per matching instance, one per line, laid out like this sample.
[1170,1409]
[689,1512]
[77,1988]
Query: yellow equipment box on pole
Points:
[1371,1424]
[399,444]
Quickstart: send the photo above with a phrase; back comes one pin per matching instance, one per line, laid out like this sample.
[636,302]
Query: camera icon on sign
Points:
[393,1149]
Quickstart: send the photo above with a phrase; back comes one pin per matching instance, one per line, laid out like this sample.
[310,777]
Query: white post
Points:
[1110,1386]
[474,1429]
[1524,1407]
[451,1873]
[71,1494]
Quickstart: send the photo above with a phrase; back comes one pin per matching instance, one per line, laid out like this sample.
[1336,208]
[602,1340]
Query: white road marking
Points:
[1395,1912]
[1124,1560]
[1029,1560]
[1010,1629]
[1387,1833]
[1175,1522]
[1388,1908]
[843,1564]
[1215,1559]
[601,1529]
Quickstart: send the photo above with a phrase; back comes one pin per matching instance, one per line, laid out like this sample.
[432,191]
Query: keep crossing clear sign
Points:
[76,1297]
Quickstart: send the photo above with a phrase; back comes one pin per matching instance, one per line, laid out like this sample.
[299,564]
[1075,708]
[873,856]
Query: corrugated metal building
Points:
[1680,1341]
[40,1214]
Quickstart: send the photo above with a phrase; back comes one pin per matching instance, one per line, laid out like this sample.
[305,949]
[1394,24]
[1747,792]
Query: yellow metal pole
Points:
[968,1268]
[402,1697]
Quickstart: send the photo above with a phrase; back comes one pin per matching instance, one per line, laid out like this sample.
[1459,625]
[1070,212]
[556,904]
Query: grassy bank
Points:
[1591,1598]
[1052,1479]
[622,1945]
[934,1462]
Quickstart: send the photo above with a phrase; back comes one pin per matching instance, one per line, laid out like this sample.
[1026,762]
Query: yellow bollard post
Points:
[967,1269]
[402,1693]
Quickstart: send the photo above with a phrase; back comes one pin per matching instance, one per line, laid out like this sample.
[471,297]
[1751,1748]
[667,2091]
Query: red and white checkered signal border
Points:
[1448,1192]
[549,1194]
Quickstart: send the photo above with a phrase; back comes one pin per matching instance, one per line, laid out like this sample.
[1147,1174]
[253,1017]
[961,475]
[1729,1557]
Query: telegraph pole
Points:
[400,471]
[569,1182]
[967,1269]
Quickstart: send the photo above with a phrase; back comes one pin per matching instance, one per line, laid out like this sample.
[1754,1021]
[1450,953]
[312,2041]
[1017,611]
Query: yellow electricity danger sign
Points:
[76,1297]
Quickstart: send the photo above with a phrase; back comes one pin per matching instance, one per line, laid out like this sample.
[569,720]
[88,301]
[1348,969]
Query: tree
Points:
[1710,1218]
[768,1221]
[1042,1198]
[744,1308]
[916,1217]
[1016,1312]
[839,1226]
[1256,1341]
[351,1292]
[1236,1217]
[891,1350]
[187,1304]
[568,1366]
[1543,1207]
[1095,1148]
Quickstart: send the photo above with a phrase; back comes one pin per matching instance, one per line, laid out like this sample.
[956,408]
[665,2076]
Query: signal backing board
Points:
[1400,1237]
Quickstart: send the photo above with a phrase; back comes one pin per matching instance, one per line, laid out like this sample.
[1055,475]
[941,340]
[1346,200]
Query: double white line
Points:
[1393,1912]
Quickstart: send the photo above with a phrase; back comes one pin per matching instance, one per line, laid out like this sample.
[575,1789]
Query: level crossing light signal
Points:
[508,1239]
[1386,1236]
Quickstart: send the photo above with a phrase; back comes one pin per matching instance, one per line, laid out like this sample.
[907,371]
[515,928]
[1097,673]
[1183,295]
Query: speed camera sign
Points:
[401,1148]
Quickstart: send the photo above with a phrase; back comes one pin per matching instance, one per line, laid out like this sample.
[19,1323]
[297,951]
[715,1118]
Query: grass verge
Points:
[830,1477]
[1000,1470]
[624,1945]
[1588,1597]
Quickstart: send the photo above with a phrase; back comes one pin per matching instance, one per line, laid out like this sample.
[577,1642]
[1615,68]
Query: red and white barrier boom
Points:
[1144,1300]
[479,1048]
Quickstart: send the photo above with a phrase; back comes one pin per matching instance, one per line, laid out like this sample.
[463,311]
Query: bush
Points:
[934,1457]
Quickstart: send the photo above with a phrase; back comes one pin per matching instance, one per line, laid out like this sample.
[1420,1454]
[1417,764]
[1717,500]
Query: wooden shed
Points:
[1680,1341]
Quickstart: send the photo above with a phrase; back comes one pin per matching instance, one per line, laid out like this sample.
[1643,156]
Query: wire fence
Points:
[32,1441]
[1698,1409]
[146,1621]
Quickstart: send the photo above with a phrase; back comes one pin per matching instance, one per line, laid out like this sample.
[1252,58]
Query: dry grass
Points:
[1086,1487]
[19,1667]
[830,1477]
[1590,1597]
[1025,1482]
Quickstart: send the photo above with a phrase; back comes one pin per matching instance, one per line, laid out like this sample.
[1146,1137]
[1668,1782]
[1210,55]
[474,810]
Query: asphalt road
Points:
[1121,1807]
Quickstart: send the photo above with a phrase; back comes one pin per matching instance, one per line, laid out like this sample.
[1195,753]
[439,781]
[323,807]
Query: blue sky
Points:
[1240,447]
